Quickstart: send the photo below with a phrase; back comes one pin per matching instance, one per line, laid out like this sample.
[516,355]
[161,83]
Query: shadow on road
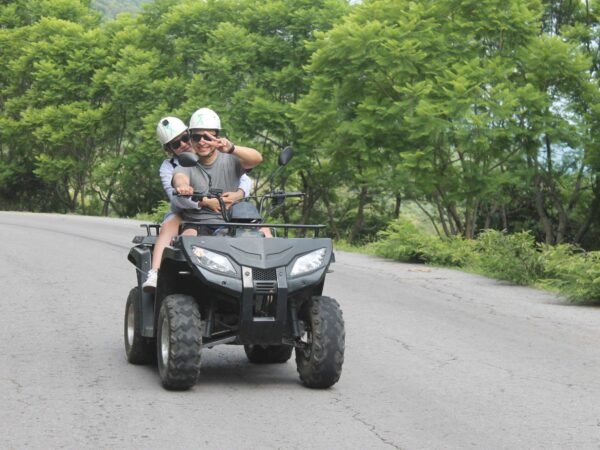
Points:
[226,367]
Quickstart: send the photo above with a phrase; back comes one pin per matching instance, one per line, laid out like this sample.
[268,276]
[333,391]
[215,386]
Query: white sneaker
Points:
[150,283]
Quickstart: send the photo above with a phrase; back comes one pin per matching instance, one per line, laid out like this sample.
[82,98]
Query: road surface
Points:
[435,359]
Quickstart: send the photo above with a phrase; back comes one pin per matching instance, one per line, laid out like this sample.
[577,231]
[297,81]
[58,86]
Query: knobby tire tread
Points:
[141,350]
[183,365]
[320,365]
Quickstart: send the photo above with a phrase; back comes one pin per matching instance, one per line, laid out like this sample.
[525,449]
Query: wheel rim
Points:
[165,343]
[307,340]
[130,324]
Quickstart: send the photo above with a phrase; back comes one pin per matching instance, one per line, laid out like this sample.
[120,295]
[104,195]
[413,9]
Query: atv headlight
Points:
[213,261]
[309,262]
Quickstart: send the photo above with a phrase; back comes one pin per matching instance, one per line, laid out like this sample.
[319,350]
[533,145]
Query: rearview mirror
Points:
[188,159]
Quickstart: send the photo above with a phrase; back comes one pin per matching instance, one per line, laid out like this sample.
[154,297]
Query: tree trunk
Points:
[441,215]
[398,204]
[359,223]
[431,218]
[470,220]
[456,224]
[106,203]
[544,219]
[82,195]
[504,216]
[593,214]
[561,229]
[331,218]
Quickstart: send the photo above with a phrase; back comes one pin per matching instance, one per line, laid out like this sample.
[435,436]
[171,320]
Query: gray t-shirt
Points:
[225,173]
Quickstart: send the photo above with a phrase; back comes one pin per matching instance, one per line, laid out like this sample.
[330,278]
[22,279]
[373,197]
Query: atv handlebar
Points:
[277,197]
[196,196]
[284,194]
[214,193]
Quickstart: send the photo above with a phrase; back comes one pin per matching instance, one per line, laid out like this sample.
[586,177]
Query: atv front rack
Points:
[151,226]
[285,226]
[153,229]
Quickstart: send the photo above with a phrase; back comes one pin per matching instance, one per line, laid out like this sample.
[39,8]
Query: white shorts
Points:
[170,216]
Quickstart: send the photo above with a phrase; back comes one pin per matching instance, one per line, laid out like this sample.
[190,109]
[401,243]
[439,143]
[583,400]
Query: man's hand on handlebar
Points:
[188,191]
[210,203]
[210,200]
[232,197]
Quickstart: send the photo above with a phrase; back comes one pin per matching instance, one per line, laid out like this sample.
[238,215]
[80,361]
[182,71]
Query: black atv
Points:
[237,288]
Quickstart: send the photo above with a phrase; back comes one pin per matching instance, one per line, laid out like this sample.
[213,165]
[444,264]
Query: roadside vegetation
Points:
[563,268]
[483,115]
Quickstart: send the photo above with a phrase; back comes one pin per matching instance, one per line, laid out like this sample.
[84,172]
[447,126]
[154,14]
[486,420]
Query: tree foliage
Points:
[482,113]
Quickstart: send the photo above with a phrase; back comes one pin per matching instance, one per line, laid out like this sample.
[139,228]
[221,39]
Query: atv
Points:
[237,288]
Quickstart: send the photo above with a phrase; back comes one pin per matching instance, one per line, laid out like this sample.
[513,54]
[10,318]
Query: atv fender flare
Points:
[142,259]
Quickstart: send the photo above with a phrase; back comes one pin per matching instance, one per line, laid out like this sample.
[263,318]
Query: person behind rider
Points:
[223,161]
[173,135]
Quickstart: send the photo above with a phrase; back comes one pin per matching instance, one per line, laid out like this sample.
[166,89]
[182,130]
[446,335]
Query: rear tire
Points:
[179,341]
[319,363]
[139,349]
[268,354]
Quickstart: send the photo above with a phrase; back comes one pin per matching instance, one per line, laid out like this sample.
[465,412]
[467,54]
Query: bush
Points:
[158,214]
[404,241]
[573,272]
[511,257]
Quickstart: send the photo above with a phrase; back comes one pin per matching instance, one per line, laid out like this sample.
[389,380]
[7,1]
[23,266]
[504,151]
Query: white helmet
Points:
[169,128]
[205,119]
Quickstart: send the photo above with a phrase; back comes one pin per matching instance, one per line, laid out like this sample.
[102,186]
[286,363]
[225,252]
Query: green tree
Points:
[45,109]
[449,95]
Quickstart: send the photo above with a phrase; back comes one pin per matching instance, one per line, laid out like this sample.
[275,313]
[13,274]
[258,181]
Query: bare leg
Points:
[168,230]
[266,231]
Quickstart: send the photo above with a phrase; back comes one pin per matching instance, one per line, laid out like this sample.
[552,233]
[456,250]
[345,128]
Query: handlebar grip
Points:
[285,194]
[196,196]
[289,194]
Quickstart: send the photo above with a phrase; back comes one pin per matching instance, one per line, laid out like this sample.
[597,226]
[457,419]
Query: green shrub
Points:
[344,245]
[512,257]
[404,241]
[573,272]
[158,214]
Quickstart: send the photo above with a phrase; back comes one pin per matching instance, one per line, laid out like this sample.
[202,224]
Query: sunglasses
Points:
[197,137]
[174,145]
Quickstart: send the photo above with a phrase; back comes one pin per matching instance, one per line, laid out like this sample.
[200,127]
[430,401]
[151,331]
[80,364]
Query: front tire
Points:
[319,362]
[139,349]
[179,341]
[268,354]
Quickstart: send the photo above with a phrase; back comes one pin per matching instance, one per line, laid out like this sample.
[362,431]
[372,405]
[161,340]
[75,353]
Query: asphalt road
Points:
[435,359]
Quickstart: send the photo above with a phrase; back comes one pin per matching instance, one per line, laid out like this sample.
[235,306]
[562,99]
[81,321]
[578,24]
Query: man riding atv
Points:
[220,160]
[236,289]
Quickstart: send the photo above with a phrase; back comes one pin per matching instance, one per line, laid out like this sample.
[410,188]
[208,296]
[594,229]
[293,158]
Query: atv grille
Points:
[265,287]
[264,275]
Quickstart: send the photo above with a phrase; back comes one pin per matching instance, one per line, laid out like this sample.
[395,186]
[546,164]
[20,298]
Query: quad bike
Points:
[237,288]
